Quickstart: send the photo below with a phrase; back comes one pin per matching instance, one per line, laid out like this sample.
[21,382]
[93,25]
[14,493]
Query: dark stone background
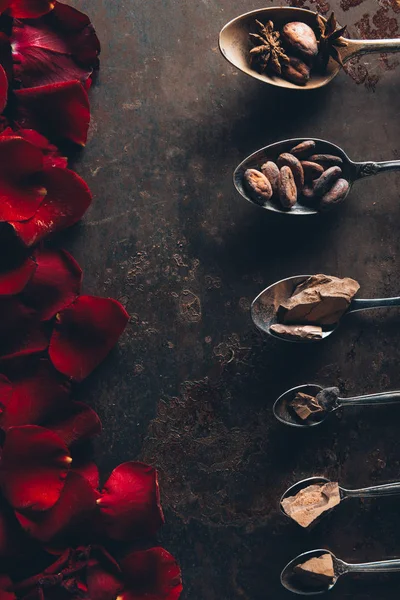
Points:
[192,385]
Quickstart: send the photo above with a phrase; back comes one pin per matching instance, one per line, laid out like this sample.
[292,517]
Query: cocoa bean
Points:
[303,149]
[296,71]
[326,180]
[258,186]
[335,195]
[271,172]
[311,170]
[326,160]
[308,193]
[301,38]
[295,165]
[287,187]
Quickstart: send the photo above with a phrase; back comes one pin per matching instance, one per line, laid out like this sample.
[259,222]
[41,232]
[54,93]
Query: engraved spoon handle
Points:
[365,169]
[364,304]
[371,399]
[380,566]
[376,491]
[355,47]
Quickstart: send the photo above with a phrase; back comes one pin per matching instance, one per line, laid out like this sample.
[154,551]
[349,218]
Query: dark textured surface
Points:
[192,385]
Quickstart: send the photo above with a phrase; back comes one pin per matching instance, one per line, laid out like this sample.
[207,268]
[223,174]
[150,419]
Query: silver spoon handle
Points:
[376,491]
[380,566]
[355,47]
[371,399]
[365,169]
[361,304]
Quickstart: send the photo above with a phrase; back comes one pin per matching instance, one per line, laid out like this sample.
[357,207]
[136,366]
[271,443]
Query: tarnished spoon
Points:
[377,491]
[265,305]
[352,171]
[284,414]
[292,583]
[235,47]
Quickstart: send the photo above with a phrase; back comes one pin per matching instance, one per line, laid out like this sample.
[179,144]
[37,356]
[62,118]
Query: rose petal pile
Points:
[63,534]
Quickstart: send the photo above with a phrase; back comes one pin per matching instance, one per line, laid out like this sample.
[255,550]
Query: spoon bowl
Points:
[300,485]
[234,44]
[284,414]
[271,152]
[292,582]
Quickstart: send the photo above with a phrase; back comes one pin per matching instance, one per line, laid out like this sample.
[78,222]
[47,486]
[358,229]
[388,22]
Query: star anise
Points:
[330,39]
[268,53]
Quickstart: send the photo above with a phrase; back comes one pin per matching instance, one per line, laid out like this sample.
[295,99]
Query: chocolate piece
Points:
[317,572]
[287,159]
[271,172]
[306,406]
[303,149]
[258,186]
[311,170]
[301,38]
[326,160]
[324,183]
[298,332]
[287,187]
[319,300]
[335,195]
[296,71]
[328,397]
[309,503]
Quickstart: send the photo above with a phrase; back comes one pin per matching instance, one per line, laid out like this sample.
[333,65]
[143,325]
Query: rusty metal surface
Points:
[192,386]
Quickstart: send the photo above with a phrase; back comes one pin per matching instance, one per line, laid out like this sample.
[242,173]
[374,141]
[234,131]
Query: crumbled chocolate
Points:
[310,502]
[328,397]
[306,406]
[317,572]
[297,332]
[319,300]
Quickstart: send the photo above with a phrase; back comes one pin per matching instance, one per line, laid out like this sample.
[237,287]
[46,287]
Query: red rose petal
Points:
[75,422]
[60,111]
[85,334]
[4,4]
[103,576]
[30,9]
[151,575]
[68,197]
[33,468]
[37,391]
[51,155]
[20,194]
[61,47]
[31,340]
[6,390]
[5,586]
[55,284]
[69,517]
[88,470]
[3,89]
[13,281]
[130,502]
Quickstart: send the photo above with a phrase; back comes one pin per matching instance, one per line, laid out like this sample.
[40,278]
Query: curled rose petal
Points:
[151,575]
[75,422]
[30,9]
[70,517]
[67,199]
[52,157]
[63,46]
[20,193]
[28,340]
[15,279]
[33,468]
[84,335]
[89,471]
[103,576]
[59,111]
[6,586]
[55,284]
[3,89]
[130,502]
[37,392]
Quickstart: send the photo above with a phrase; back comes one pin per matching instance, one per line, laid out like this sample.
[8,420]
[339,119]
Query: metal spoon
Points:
[265,305]
[293,583]
[234,45]
[283,413]
[352,171]
[377,491]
